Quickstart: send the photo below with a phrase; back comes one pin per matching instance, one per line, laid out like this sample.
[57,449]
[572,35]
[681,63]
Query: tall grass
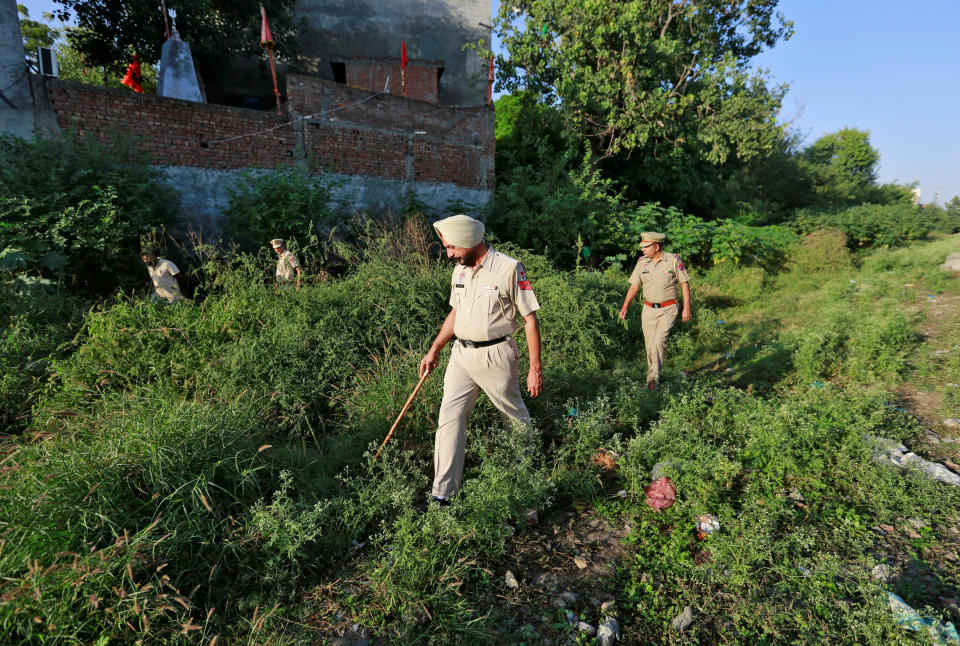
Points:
[206,469]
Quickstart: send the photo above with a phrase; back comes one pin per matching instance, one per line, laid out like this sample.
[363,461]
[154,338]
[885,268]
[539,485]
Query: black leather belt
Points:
[481,344]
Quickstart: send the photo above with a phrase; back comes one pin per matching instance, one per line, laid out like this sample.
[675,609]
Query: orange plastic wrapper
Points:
[661,494]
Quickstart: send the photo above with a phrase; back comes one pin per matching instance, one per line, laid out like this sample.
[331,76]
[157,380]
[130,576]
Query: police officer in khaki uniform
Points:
[659,273]
[487,289]
[288,268]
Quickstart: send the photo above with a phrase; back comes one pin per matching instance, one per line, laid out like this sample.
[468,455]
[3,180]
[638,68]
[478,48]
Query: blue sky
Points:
[889,67]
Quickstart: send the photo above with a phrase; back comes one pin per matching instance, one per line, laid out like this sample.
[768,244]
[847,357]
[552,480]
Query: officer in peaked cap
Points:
[659,273]
[487,290]
[288,269]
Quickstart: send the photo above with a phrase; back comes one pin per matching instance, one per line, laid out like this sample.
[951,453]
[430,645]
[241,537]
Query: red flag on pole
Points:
[133,78]
[266,38]
[403,68]
[266,41]
[490,82]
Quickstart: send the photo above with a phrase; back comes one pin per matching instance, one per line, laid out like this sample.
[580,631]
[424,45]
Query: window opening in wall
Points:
[339,72]
[439,74]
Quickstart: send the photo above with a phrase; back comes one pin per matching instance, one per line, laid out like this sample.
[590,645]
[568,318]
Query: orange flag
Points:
[266,38]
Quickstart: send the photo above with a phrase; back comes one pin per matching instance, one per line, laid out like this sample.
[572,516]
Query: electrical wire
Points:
[289,123]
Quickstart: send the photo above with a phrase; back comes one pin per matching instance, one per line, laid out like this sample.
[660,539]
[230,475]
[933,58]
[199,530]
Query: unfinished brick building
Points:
[435,145]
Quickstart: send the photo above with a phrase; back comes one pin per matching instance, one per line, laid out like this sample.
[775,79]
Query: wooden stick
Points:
[402,413]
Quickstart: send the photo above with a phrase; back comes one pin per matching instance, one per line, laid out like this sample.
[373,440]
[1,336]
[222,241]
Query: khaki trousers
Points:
[492,369]
[656,324]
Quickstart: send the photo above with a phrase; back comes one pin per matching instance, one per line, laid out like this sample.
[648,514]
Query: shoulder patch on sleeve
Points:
[522,281]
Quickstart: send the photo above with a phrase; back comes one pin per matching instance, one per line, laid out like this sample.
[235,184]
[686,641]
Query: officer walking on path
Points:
[167,280]
[659,273]
[288,268]
[486,291]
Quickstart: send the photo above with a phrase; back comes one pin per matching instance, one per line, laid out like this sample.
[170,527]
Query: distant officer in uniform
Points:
[167,281]
[288,269]
[659,273]
[486,291]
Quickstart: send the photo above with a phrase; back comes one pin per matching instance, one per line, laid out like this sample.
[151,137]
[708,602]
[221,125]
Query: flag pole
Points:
[266,41]
[490,82]
[273,71]
[403,68]
[166,20]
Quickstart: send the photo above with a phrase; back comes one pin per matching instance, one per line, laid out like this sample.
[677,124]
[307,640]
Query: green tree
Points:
[35,34]
[848,153]
[654,77]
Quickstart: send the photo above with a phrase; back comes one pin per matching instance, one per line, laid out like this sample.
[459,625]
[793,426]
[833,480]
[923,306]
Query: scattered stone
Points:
[532,517]
[889,529]
[570,597]
[608,633]
[511,580]
[881,572]
[952,422]
[606,607]
[911,532]
[684,619]
[584,627]
[878,530]
[953,466]
[546,580]
[622,493]
[891,452]
[935,469]
[558,603]
[580,562]
[916,523]
[952,263]
[932,437]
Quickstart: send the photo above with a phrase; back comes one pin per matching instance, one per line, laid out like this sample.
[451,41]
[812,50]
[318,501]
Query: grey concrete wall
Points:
[205,194]
[14,81]
[432,29]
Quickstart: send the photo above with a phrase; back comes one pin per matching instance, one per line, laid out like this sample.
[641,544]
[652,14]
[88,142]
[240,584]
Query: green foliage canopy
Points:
[650,76]
[110,31]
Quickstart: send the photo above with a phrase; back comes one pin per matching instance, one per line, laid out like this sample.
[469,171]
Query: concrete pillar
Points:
[16,104]
[178,78]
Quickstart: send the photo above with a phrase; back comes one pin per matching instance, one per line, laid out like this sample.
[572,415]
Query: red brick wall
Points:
[372,74]
[456,145]
[345,130]
[173,131]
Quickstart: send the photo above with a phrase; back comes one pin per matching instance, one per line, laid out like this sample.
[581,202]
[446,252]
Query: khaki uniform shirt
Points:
[660,278]
[163,279]
[287,267]
[488,296]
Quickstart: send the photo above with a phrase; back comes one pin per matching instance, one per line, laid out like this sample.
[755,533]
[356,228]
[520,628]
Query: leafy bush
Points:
[282,203]
[870,225]
[75,209]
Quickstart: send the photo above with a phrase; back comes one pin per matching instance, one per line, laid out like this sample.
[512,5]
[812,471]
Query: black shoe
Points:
[421,508]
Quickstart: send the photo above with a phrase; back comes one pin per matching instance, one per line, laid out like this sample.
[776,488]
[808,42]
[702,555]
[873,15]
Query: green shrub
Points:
[285,202]
[870,225]
[76,209]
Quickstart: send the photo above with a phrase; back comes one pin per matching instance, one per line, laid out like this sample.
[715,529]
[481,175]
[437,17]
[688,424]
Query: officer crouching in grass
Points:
[167,280]
[486,291]
[659,273]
